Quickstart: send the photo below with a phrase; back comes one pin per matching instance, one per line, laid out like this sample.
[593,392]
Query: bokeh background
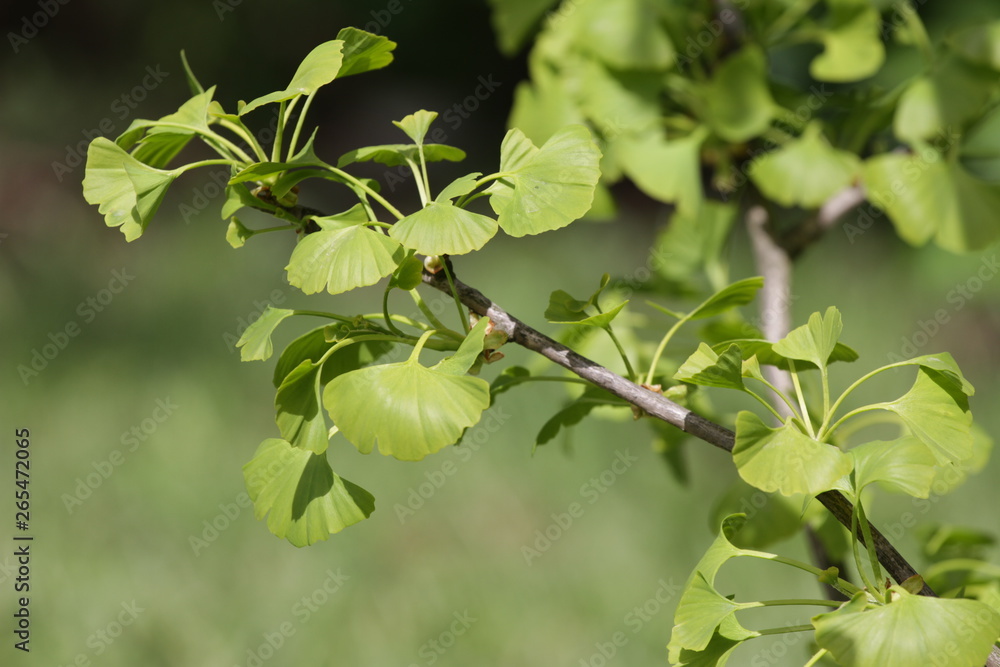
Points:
[119,576]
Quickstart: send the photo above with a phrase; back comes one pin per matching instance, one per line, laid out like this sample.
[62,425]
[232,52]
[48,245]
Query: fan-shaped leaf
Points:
[444,229]
[341,260]
[256,340]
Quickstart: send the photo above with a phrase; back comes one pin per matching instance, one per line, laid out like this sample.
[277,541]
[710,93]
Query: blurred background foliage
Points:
[164,338]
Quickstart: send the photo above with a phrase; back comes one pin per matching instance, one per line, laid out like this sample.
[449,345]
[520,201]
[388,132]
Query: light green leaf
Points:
[416,124]
[317,69]
[813,342]
[765,353]
[625,34]
[669,171]
[125,191]
[775,518]
[722,549]
[853,47]
[155,144]
[806,171]
[545,188]
[409,410]
[709,369]
[237,233]
[979,151]
[573,413]
[785,459]
[911,630]
[718,651]
[363,52]
[926,196]
[617,102]
[297,412]
[515,20]
[691,244]
[338,261]
[738,103]
[937,412]
[305,502]
[945,364]
[460,187]
[933,106]
[463,358]
[739,293]
[906,464]
[699,613]
[441,228]
[408,275]
[256,340]
[394,155]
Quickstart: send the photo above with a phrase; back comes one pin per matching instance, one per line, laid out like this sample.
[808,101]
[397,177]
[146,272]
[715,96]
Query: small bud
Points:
[433,264]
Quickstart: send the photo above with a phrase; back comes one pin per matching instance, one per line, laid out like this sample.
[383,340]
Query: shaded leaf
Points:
[709,369]
[669,171]
[297,412]
[738,103]
[764,351]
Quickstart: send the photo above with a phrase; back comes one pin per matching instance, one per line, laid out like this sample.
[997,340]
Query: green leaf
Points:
[739,293]
[785,459]
[125,191]
[945,364]
[625,34]
[853,47]
[515,20]
[905,464]
[297,412]
[699,613]
[444,229]
[564,308]
[805,172]
[394,155]
[460,187]
[765,353]
[722,548]
[669,171]
[339,261]
[911,630]
[709,369]
[416,124]
[937,412]
[408,409]
[155,144]
[256,340]
[192,80]
[573,413]
[927,197]
[237,233]
[772,518]
[313,345]
[463,358]
[545,188]
[979,151]
[695,243]
[317,69]
[814,342]
[408,275]
[363,52]
[616,101]
[738,103]
[979,43]
[718,651]
[304,500]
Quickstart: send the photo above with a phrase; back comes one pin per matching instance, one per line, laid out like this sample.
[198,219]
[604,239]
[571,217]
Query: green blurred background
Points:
[450,583]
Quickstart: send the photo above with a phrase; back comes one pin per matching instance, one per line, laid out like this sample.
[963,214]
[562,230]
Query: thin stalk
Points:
[773,411]
[203,163]
[780,26]
[825,379]
[423,170]
[836,404]
[367,190]
[817,656]
[780,394]
[458,302]
[806,419]
[872,589]
[842,585]
[866,530]
[790,602]
[279,132]
[244,133]
[787,629]
[385,314]
[213,136]
[421,185]
[428,313]
[661,347]
[825,434]
[298,126]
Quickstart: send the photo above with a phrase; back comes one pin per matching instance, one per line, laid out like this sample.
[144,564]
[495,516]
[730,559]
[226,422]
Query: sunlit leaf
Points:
[709,369]
[669,171]
[853,44]
[699,613]
[739,293]
[765,353]
[906,465]
[304,500]
[815,341]
[784,459]
[937,412]
[545,188]
[256,340]
[317,69]
[341,260]
[394,155]
[738,103]
[363,52]
[441,228]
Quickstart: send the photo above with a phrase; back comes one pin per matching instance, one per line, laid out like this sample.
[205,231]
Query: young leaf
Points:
[156,144]
[339,261]
[911,630]
[545,188]
[416,124]
[765,353]
[785,459]
[318,68]
[444,229]
[813,342]
[125,191]
[237,233]
[719,648]
[709,369]
[573,413]
[739,293]
[461,186]
[699,613]
[297,412]
[408,275]
[314,345]
[564,308]
[394,155]
[853,44]
[668,171]
[256,340]
[304,500]
[906,464]
[937,413]
[805,172]
[363,51]
[463,358]
[409,409]
[722,549]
